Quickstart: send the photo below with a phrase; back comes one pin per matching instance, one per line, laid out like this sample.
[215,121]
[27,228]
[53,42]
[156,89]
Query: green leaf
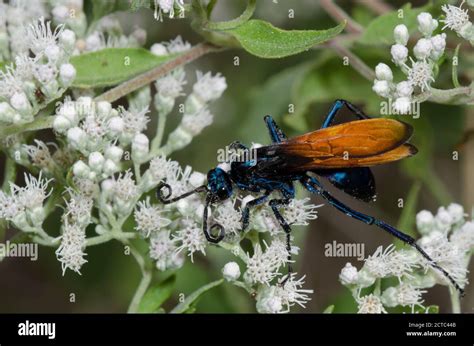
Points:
[329,309]
[156,295]
[188,302]
[262,39]
[102,8]
[112,66]
[380,30]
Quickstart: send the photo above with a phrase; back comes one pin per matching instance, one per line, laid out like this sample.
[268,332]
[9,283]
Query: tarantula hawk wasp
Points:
[341,153]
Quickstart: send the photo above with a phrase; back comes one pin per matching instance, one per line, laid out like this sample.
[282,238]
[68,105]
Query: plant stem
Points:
[156,142]
[455,303]
[146,78]
[377,6]
[103,238]
[245,16]
[355,62]
[339,15]
[144,282]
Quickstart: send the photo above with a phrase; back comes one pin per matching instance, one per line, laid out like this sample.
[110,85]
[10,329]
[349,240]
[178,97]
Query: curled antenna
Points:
[208,232]
[165,197]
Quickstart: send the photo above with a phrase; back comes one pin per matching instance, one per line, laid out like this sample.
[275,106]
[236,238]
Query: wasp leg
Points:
[276,134]
[252,203]
[275,203]
[314,186]
[207,232]
[337,105]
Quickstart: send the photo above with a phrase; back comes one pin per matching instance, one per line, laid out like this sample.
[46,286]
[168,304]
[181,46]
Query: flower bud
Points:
[402,105]
[140,148]
[104,108]
[381,88]
[81,170]
[110,167]
[61,124]
[399,53]
[116,125]
[400,33]
[424,222]
[423,48]
[404,89]
[7,113]
[96,160]
[383,72]
[20,102]
[426,23]
[77,137]
[114,153]
[68,40]
[231,271]
[348,275]
[457,212]
[67,73]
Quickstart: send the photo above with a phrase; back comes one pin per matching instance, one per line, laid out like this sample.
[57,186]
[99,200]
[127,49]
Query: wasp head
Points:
[219,185]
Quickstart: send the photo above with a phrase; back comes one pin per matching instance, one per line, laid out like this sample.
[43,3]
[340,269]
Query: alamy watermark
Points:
[230,154]
[9,249]
[336,249]
[393,108]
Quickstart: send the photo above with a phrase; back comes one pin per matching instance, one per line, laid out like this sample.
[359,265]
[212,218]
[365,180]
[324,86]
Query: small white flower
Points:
[70,253]
[195,123]
[163,251]
[399,53]
[148,218]
[381,88]
[402,105]
[77,138]
[425,222]
[229,217]
[348,275]
[80,169]
[125,188]
[420,75]
[370,304]
[171,85]
[291,292]
[231,271]
[191,239]
[40,35]
[39,154]
[167,6]
[68,39]
[423,48]
[426,23]
[116,125]
[263,267]
[134,122]
[164,169]
[78,209]
[456,17]
[177,45]
[299,212]
[209,87]
[400,33]
[383,72]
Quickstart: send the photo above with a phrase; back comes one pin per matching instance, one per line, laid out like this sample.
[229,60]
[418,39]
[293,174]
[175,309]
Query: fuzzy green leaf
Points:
[262,39]
[380,30]
[189,301]
[112,66]
[157,295]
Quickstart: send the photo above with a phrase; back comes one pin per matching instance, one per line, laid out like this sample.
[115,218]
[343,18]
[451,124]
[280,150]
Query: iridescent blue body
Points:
[276,172]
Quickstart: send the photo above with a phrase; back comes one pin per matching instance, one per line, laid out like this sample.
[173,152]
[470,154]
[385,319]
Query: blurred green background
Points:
[310,81]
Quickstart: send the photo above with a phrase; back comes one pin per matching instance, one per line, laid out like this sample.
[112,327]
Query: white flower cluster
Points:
[33,81]
[457,19]
[447,237]
[419,76]
[23,206]
[71,14]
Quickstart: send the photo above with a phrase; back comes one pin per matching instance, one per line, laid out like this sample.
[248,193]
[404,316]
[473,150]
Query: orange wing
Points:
[360,143]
